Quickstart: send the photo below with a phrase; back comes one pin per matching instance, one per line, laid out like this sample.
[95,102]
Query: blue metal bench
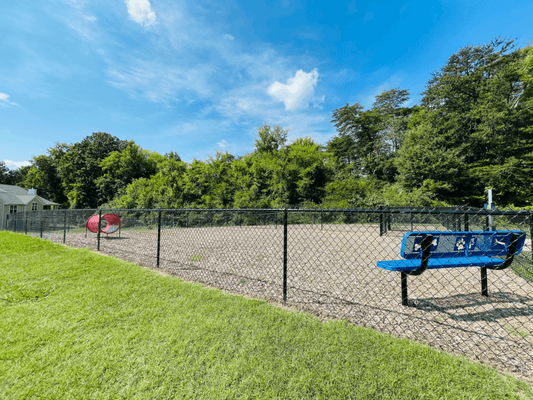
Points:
[432,250]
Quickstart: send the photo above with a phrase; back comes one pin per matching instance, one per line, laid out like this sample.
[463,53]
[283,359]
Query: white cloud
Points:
[186,128]
[141,12]
[79,19]
[298,89]
[164,83]
[5,97]
[188,60]
[242,104]
[90,18]
[16,164]
[317,104]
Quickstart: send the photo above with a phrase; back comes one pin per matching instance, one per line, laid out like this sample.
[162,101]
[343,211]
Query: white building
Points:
[16,199]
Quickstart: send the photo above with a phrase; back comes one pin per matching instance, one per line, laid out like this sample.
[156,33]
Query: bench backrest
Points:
[462,244]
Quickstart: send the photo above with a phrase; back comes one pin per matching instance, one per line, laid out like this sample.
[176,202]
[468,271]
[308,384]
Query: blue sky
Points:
[199,76]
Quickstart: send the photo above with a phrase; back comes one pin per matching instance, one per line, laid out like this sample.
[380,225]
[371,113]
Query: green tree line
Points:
[472,130]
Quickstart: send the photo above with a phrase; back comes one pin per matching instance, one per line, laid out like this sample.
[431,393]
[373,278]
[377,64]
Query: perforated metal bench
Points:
[434,250]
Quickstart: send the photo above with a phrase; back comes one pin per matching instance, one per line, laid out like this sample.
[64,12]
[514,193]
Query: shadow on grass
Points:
[460,302]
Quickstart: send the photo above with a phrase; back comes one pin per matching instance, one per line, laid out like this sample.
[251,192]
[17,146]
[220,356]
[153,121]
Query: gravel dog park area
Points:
[325,262]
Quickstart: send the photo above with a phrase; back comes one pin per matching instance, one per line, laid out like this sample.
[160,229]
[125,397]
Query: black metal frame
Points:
[426,252]
[425,244]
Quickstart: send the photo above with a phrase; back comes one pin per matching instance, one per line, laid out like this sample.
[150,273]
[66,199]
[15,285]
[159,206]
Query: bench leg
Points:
[404,288]
[484,285]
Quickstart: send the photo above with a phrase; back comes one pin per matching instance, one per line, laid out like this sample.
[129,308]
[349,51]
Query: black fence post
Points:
[531,235]
[65,228]
[25,222]
[381,230]
[484,285]
[453,222]
[321,218]
[41,227]
[467,223]
[15,220]
[158,236]
[285,255]
[453,225]
[404,289]
[98,229]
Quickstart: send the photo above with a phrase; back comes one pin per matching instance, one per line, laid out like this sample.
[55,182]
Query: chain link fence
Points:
[325,262]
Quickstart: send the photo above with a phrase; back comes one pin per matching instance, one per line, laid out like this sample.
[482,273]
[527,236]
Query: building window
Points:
[34,206]
[12,209]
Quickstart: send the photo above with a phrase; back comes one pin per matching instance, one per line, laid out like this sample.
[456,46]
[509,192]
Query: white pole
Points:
[490,208]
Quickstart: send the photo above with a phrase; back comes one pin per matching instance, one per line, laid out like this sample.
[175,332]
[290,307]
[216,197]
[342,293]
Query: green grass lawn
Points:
[75,324]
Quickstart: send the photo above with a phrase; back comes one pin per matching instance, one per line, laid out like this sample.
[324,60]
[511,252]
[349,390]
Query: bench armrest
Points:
[510,253]
[425,245]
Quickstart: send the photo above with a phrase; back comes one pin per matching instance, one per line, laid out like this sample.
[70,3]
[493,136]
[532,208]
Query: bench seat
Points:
[444,249]
[434,263]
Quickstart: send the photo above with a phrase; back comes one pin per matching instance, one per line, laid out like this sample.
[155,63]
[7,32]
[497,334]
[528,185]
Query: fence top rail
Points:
[383,210]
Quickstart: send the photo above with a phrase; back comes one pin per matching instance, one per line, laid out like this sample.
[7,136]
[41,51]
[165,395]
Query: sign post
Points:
[490,206]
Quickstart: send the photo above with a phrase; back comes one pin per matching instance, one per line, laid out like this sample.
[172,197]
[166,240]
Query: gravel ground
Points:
[332,273]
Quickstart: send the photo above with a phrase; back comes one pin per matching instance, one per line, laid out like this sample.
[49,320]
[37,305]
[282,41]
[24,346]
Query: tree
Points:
[477,129]
[257,176]
[121,168]
[390,101]
[364,145]
[526,75]
[305,172]
[79,168]
[162,190]
[396,118]
[12,176]
[43,175]
[425,161]
[257,186]
[270,140]
[341,149]
[4,174]
[209,184]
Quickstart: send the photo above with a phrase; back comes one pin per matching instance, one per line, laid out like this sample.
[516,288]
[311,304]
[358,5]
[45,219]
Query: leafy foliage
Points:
[475,130]
[121,168]
[12,176]
[80,168]
[44,175]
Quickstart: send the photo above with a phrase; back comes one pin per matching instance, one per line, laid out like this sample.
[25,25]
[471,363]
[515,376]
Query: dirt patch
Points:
[332,273]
